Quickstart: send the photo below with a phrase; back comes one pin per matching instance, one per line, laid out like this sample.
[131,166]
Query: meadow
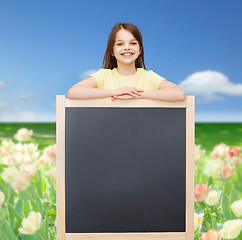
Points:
[28,181]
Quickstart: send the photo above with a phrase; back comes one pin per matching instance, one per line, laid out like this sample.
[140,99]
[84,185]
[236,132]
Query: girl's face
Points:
[126,48]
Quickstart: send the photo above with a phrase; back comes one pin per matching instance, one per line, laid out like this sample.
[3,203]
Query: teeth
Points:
[127,54]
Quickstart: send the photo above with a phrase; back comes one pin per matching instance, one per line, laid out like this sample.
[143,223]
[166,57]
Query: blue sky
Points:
[48,46]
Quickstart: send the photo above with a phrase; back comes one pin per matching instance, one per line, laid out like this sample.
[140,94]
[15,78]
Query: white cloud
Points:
[2,85]
[208,84]
[27,95]
[87,73]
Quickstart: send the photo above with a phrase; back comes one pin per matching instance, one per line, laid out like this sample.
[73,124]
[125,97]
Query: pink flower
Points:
[233,151]
[23,134]
[220,151]
[199,152]
[43,160]
[212,234]
[7,160]
[29,169]
[228,171]
[21,181]
[236,160]
[52,173]
[49,155]
[3,152]
[201,192]
[50,152]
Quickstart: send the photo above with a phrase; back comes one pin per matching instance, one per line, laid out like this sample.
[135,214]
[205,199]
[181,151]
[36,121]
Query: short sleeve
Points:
[99,77]
[155,79]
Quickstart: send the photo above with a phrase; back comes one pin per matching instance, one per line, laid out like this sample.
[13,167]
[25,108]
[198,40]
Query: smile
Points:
[127,54]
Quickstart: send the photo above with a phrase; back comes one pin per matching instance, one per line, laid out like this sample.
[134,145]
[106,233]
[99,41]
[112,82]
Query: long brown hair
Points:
[109,61]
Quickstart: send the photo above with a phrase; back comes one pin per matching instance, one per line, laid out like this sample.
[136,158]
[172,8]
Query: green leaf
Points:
[219,226]
[238,178]
[210,181]
[19,206]
[40,233]
[199,210]
[16,215]
[53,192]
[46,224]
[227,187]
[35,200]
[204,179]
[26,209]
[39,202]
[6,229]
[3,236]
[214,222]
[234,196]
[226,207]
[38,184]
[27,237]
[10,209]
[7,191]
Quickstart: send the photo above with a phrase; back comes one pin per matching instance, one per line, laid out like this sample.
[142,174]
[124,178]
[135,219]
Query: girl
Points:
[124,75]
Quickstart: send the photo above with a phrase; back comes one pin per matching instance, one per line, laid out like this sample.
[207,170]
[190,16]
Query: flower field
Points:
[28,181]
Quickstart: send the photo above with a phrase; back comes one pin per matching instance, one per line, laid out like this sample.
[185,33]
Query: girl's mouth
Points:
[127,54]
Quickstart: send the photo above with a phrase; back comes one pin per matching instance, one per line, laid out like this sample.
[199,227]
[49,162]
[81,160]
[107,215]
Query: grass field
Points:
[206,134]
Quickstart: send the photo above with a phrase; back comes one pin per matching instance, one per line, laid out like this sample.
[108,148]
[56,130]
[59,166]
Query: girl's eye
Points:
[131,43]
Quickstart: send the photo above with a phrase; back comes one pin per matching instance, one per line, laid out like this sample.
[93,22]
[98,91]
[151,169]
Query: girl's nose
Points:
[126,47]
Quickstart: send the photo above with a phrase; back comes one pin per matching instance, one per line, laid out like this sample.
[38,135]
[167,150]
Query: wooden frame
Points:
[61,104]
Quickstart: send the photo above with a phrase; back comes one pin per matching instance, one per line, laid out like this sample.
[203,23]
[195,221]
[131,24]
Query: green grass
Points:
[44,133]
[210,134]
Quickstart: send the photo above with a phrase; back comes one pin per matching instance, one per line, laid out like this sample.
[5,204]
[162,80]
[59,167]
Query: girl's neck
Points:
[126,70]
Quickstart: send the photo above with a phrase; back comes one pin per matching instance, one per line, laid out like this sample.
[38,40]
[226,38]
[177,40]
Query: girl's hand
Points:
[125,97]
[132,91]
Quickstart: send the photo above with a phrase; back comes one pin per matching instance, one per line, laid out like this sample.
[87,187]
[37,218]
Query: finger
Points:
[136,94]
[132,93]
[125,97]
[139,90]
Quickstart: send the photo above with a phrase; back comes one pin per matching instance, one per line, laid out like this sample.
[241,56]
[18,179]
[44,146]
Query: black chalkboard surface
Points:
[125,169]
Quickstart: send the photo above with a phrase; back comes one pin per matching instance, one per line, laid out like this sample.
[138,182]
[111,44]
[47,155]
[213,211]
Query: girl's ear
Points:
[140,50]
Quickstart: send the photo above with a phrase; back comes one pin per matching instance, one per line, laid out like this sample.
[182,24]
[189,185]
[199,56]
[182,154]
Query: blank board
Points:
[125,169]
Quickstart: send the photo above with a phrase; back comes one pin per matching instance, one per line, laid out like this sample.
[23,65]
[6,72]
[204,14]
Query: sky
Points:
[46,47]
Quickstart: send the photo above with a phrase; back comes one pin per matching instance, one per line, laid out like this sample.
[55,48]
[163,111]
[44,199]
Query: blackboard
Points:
[125,169]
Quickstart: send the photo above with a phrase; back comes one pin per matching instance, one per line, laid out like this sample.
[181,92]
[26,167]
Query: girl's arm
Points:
[87,89]
[167,91]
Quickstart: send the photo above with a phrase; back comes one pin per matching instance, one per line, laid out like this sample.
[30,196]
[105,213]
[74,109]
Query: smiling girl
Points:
[124,75]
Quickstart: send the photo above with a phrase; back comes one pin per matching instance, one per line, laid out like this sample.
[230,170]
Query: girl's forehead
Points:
[124,35]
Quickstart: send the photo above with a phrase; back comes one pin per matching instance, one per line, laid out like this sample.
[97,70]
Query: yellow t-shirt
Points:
[111,79]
